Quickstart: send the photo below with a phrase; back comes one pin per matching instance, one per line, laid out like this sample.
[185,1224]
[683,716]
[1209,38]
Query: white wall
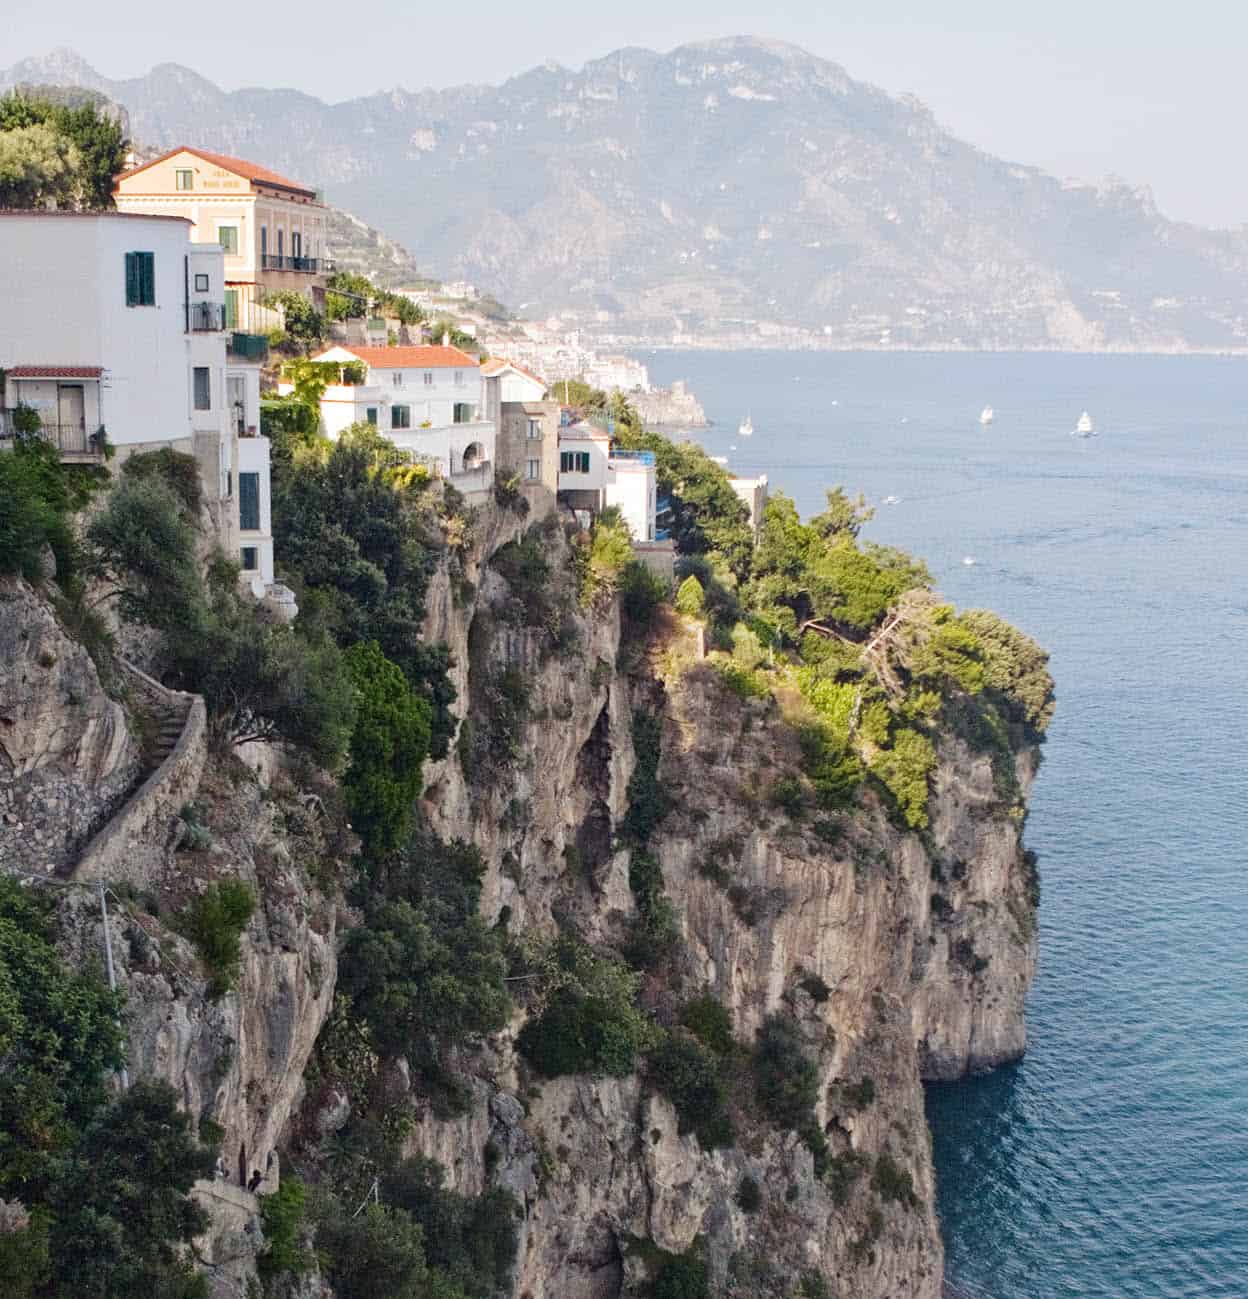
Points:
[584,438]
[253,457]
[631,487]
[63,290]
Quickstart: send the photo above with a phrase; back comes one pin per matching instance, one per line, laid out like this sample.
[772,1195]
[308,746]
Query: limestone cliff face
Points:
[67,755]
[904,956]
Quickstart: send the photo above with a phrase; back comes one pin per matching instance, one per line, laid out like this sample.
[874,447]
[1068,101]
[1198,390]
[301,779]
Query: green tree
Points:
[214,922]
[389,745]
[377,1254]
[38,166]
[92,137]
[58,1040]
[302,322]
[1015,667]
[122,1204]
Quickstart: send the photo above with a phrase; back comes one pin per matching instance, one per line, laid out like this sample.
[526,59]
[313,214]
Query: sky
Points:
[1151,92]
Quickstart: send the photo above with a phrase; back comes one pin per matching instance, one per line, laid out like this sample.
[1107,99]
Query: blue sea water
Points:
[1113,1160]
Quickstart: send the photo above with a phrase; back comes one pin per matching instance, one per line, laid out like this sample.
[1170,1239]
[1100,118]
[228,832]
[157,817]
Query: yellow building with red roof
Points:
[273,229]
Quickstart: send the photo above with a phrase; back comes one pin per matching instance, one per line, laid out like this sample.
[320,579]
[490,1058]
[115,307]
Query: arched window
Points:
[474,457]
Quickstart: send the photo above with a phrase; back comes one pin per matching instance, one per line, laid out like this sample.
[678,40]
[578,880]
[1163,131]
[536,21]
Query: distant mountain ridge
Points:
[740,190]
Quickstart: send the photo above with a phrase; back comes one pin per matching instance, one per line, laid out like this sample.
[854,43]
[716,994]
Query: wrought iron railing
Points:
[69,439]
[309,265]
[205,317]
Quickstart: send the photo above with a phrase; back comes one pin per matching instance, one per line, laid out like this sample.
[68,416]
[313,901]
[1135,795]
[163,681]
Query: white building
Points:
[622,372]
[592,477]
[753,491]
[113,328]
[427,400]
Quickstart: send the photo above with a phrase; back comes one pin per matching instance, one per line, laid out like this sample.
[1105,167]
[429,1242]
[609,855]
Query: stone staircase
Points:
[169,715]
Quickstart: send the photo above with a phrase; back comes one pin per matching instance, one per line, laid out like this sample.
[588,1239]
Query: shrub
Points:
[749,1196]
[860,1094]
[378,1254]
[710,1023]
[682,1276]
[648,801]
[903,769]
[841,1174]
[641,595]
[785,1081]
[582,1034]
[214,922]
[34,510]
[787,794]
[1015,666]
[743,682]
[283,1217]
[892,1182]
[688,1074]
[178,471]
[690,598]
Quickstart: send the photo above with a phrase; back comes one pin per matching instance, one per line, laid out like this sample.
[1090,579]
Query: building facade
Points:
[527,424]
[272,229]
[593,476]
[428,400]
[113,330]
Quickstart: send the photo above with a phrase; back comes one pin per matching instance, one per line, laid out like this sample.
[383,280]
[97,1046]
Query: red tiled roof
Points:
[240,166]
[54,372]
[413,358]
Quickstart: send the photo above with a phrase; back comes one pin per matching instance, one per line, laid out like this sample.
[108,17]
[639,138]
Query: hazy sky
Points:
[1149,91]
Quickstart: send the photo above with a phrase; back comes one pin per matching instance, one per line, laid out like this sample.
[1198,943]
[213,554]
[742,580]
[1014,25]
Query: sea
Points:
[1112,1161]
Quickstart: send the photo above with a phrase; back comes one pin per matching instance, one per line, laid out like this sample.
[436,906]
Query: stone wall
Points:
[132,845]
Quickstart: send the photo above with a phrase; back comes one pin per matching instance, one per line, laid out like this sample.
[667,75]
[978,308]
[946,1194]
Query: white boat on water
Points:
[1085,428]
[986,416]
[746,427]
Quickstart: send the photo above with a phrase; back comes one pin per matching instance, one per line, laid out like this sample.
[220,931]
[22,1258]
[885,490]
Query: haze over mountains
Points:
[736,191]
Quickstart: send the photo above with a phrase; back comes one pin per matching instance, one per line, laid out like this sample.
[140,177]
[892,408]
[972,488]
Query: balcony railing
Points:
[69,439]
[643,457]
[309,265]
[205,317]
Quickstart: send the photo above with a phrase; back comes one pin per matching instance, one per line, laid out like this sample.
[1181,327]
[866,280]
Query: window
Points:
[396,379]
[400,417]
[574,462]
[201,388]
[535,428]
[249,502]
[227,237]
[371,415]
[140,279]
[251,559]
[184,179]
[280,241]
[264,240]
[532,470]
[463,413]
[201,284]
[459,378]
[428,378]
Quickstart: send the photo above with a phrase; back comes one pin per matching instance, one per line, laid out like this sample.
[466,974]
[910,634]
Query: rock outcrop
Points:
[67,754]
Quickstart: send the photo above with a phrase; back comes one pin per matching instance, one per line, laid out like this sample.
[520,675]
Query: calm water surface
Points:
[1113,1161]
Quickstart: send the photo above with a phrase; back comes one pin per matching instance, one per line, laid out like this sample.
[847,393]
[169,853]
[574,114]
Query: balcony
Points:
[306,265]
[71,440]
[638,457]
[205,317]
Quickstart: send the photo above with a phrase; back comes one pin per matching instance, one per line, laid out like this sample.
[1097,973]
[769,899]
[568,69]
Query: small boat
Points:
[968,560]
[746,427]
[891,500]
[1085,428]
[986,416]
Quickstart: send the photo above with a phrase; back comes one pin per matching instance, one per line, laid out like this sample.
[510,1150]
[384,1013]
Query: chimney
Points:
[446,338]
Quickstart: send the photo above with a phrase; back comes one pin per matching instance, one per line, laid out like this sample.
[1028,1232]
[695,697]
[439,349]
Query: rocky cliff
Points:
[895,955]
[903,957]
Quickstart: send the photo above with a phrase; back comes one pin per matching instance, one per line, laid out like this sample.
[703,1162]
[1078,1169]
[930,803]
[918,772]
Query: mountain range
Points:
[737,190]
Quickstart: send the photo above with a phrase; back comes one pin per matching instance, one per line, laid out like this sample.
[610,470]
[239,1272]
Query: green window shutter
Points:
[147,279]
[249,502]
[132,279]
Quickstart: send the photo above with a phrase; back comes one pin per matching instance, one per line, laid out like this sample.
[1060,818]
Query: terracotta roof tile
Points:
[54,372]
[413,358]
[240,166]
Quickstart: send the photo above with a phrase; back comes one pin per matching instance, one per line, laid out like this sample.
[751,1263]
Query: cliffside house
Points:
[272,229]
[753,491]
[113,328]
[428,400]
[593,476]
[527,424]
